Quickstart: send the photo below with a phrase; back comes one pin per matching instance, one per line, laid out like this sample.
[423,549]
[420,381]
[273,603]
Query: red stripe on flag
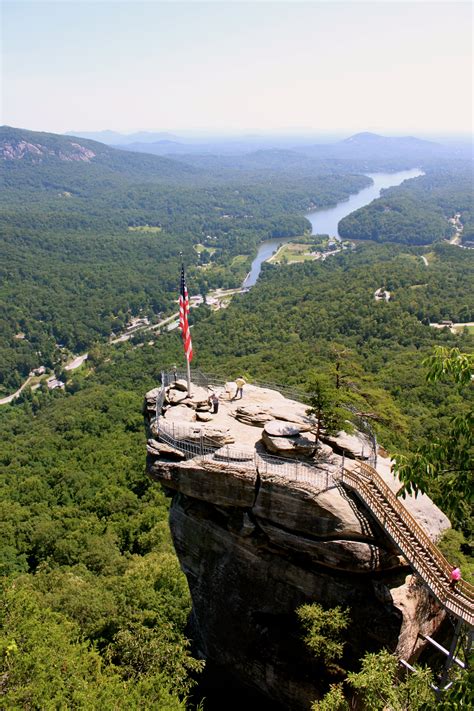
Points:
[183,317]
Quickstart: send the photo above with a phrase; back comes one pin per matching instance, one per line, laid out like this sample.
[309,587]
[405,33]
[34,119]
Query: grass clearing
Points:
[460,328]
[293,252]
[144,228]
[200,248]
[238,260]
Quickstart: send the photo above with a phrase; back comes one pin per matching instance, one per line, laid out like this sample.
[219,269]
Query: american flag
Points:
[183,317]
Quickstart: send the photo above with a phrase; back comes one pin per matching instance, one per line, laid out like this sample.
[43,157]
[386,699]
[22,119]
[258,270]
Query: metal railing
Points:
[195,444]
[415,544]
[210,380]
[407,534]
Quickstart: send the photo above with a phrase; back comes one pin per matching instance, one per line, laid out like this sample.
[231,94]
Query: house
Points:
[54,383]
[38,371]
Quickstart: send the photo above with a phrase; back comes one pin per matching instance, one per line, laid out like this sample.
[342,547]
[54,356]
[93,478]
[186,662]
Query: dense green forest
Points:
[298,316]
[86,553]
[73,272]
[417,211]
[93,603]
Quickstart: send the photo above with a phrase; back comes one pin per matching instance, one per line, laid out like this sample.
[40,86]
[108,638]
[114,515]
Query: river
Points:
[326,221]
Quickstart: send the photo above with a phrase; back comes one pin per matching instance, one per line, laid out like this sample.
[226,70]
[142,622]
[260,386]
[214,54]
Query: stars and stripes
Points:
[183,317]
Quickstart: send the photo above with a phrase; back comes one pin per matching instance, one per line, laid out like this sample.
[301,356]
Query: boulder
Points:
[209,434]
[180,413]
[253,415]
[161,449]
[233,454]
[304,424]
[289,446]
[279,428]
[218,435]
[176,396]
[258,416]
[354,446]
[180,384]
[151,395]
[199,397]
[203,416]
[324,453]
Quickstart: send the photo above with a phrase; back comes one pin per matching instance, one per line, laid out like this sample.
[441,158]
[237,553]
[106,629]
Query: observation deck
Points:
[232,439]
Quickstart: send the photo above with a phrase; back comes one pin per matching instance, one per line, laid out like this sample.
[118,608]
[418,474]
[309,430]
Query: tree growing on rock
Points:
[326,407]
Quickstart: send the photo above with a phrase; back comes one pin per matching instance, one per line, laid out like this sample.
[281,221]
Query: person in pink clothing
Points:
[455,577]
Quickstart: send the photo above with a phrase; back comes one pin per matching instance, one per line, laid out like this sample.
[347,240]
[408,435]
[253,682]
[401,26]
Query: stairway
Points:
[407,534]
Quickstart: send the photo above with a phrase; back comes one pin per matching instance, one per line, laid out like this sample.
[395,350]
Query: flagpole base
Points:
[188,376]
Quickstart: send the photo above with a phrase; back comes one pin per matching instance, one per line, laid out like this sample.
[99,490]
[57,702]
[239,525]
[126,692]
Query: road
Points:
[171,321]
[9,398]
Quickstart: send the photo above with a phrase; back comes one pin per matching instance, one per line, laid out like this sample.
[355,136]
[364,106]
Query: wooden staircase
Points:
[414,543]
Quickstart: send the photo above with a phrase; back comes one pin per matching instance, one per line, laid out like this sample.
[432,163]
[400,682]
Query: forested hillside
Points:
[86,552]
[297,317]
[75,269]
[416,212]
[94,604]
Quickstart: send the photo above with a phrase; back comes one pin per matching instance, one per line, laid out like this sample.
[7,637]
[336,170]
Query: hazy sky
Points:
[233,66]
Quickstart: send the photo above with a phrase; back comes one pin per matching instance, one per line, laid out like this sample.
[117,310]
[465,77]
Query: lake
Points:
[326,221]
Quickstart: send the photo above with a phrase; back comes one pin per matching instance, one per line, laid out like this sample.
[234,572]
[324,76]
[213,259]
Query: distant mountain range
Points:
[113,138]
[371,145]
[55,152]
[361,146]
[82,160]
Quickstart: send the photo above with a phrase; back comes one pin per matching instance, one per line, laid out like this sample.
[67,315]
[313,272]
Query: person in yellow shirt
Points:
[240,382]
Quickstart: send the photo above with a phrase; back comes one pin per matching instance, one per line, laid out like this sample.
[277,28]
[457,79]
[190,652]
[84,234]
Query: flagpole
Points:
[188,374]
[184,325]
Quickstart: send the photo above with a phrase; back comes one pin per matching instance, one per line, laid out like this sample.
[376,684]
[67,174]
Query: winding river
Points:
[326,221]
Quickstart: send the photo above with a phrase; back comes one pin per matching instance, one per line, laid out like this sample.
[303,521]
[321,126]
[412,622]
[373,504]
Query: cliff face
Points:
[255,546]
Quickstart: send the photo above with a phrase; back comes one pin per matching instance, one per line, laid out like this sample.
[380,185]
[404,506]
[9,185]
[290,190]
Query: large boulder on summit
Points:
[218,435]
[253,415]
[258,416]
[299,445]
[180,384]
[279,428]
[176,396]
[203,416]
[180,413]
[354,446]
[161,449]
[152,394]
[199,397]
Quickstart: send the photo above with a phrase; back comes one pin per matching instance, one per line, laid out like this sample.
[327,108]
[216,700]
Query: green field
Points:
[291,253]
[144,228]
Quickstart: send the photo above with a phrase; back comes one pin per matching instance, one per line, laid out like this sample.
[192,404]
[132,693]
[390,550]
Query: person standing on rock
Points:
[214,403]
[240,382]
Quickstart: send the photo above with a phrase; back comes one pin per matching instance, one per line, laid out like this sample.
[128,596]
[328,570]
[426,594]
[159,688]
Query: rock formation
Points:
[257,540]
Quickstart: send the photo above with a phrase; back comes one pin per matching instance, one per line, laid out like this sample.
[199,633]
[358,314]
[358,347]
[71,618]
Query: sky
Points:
[234,67]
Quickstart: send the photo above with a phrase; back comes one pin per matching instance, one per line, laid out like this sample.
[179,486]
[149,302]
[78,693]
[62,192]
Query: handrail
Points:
[296,393]
[196,446]
[420,551]
[414,525]
[213,380]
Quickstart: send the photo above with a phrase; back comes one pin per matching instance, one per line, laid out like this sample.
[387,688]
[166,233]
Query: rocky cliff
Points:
[255,544]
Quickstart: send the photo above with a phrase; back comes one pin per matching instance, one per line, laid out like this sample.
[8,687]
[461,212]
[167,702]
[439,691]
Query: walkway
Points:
[421,553]
[419,550]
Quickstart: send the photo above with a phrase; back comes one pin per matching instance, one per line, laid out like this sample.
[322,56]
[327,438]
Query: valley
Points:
[87,552]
